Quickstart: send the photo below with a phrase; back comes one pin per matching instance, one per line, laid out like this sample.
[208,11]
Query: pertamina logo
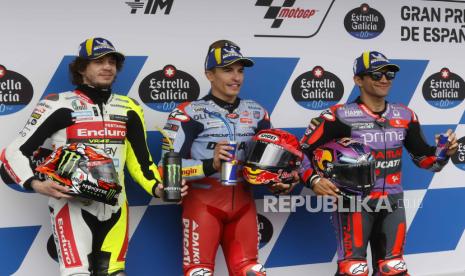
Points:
[364,22]
[15,91]
[292,18]
[317,89]
[164,89]
[150,6]
[444,89]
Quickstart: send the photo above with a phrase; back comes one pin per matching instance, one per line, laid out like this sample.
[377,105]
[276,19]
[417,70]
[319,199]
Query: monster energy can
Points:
[172,176]
[229,168]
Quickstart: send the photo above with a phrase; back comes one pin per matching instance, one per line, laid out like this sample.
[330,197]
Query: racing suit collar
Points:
[97,95]
[230,107]
[380,114]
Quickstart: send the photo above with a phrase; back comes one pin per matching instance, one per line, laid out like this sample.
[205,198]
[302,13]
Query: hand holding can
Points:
[229,168]
[442,146]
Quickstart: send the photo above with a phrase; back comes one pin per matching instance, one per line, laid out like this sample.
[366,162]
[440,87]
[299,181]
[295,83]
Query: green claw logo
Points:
[68,162]
[173,173]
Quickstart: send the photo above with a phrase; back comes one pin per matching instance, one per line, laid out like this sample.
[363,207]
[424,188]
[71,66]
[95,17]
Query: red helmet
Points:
[86,171]
[274,157]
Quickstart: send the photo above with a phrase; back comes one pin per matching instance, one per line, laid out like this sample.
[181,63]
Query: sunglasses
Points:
[376,76]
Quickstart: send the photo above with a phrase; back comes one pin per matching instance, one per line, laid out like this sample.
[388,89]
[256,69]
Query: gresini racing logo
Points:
[150,6]
[292,18]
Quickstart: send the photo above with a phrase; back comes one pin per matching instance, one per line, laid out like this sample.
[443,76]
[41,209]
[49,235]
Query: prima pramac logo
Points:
[163,90]
[317,89]
[444,89]
[15,91]
[364,22]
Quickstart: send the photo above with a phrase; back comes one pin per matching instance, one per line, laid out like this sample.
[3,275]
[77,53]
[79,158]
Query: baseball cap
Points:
[224,54]
[371,61]
[97,47]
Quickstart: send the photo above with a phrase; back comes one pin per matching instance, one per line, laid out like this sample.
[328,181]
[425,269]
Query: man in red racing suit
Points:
[214,214]
[385,127]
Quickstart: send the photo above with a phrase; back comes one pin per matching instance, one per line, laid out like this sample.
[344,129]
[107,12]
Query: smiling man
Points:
[91,236]
[386,128]
[214,214]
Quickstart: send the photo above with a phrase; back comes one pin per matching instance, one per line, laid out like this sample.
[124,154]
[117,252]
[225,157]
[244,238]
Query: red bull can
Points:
[229,168]
[442,146]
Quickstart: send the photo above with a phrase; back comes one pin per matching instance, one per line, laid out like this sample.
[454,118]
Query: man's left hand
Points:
[284,188]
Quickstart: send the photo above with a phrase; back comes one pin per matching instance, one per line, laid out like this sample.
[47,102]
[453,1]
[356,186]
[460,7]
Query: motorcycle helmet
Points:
[85,170]
[274,157]
[348,163]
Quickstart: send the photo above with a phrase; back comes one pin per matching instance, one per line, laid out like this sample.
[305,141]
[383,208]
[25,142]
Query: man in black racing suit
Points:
[385,127]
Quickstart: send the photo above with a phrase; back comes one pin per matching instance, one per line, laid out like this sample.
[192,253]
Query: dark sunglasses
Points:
[377,75]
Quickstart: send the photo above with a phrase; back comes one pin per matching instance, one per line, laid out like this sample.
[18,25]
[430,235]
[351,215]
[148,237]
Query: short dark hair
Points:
[79,64]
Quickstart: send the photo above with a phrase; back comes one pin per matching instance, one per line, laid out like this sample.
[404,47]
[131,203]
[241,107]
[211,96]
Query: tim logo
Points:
[150,6]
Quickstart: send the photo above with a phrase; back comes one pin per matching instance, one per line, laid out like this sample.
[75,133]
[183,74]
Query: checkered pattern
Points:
[273,10]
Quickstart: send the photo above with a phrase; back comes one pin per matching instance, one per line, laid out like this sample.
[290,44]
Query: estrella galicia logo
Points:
[364,22]
[164,89]
[317,89]
[293,18]
[459,157]
[15,91]
[151,6]
[444,89]
[265,229]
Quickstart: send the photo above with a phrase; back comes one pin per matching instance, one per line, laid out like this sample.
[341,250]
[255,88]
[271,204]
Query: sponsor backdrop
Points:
[304,51]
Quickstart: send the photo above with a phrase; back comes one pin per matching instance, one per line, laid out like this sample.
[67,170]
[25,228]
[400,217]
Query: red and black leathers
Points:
[385,133]
[213,214]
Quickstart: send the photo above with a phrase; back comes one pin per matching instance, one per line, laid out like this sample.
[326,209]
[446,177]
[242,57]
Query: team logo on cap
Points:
[164,89]
[444,89]
[317,89]
[15,91]
[364,22]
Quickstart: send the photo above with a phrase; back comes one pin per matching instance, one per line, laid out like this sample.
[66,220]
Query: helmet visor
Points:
[270,155]
[359,176]
[103,170]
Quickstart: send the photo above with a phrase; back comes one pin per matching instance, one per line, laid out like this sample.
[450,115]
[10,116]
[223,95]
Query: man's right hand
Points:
[50,188]
[221,152]
[323,186]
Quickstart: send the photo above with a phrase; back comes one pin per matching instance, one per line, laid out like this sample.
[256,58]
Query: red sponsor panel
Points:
[399,123]
[64,230]
[358,229]
[86,130]
[393,179]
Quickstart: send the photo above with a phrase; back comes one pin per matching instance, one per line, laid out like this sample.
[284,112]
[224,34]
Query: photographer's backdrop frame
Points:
[304,52]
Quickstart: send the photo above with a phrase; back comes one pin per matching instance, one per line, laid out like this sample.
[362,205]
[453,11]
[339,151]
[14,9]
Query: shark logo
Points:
[103,44]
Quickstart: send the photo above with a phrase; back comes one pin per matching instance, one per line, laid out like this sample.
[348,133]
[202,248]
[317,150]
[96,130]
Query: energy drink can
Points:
[229,168]
[172,179]
[442,146]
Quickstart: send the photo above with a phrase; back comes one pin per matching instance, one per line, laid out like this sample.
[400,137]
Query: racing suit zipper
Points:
[384,153]
[235,156]
[102,114]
